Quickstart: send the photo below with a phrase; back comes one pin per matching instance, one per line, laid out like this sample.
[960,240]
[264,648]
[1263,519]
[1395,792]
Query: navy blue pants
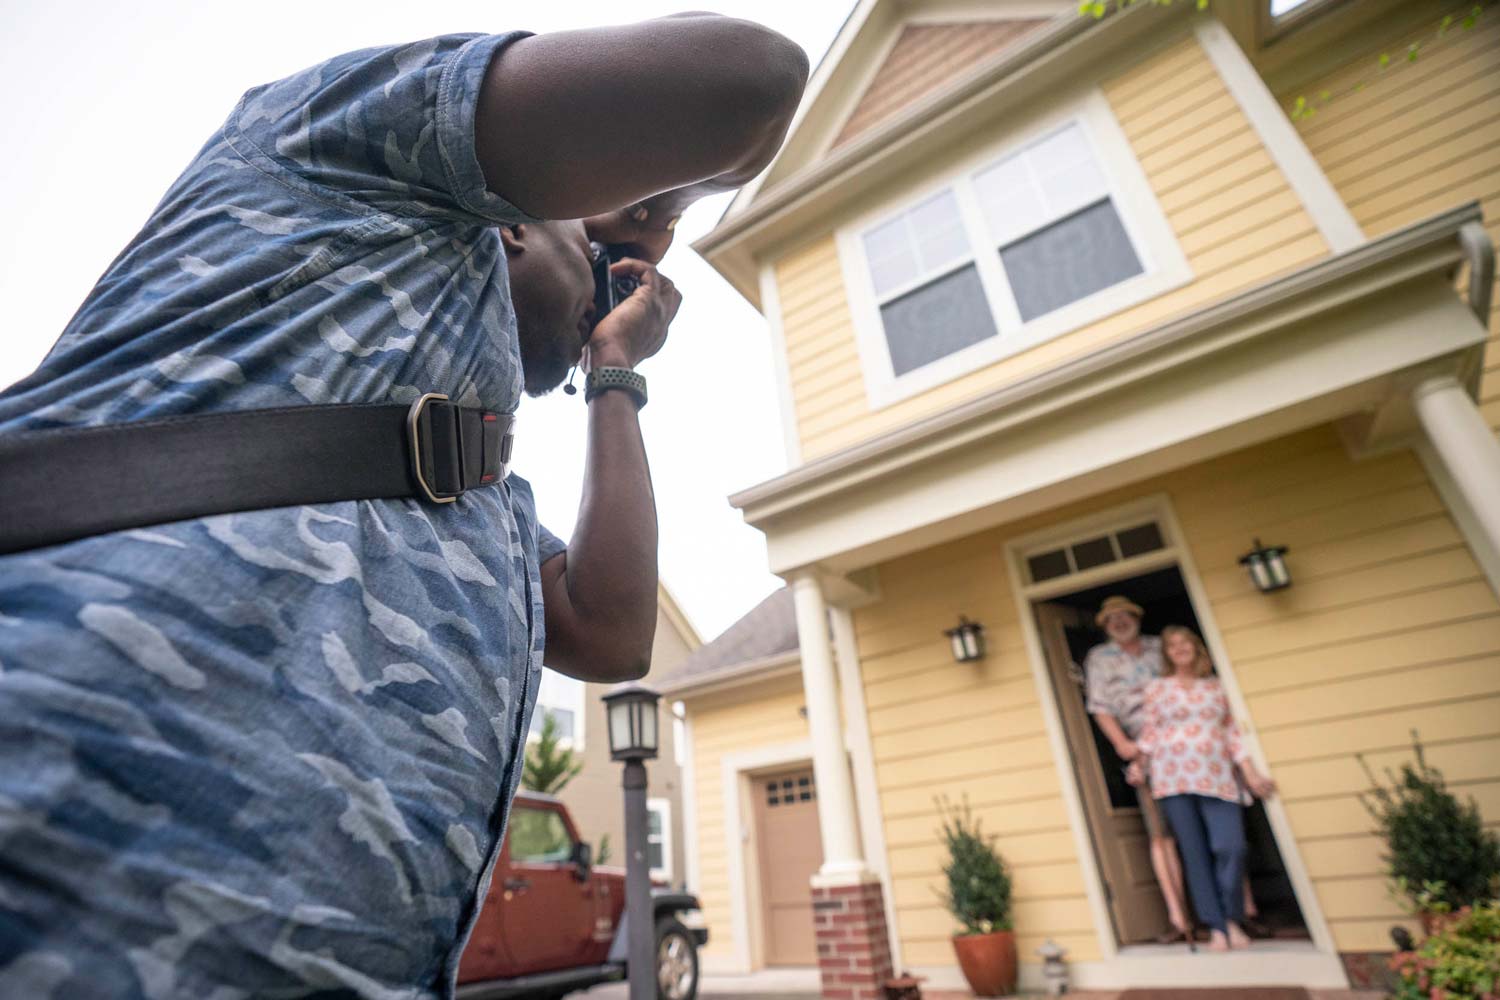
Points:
[1211,838]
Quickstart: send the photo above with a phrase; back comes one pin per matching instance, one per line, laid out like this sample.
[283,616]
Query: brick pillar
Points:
[854,951]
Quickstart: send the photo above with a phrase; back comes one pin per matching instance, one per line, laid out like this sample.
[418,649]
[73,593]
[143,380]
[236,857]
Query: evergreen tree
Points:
[548,768]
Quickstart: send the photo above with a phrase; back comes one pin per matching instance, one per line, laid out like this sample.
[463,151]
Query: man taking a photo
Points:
[272,752]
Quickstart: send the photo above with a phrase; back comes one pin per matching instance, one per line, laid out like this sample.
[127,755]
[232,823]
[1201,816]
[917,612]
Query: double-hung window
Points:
[1007,248]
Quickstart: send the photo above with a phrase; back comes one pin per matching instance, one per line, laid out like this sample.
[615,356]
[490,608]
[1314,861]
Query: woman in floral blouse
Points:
[1199,769]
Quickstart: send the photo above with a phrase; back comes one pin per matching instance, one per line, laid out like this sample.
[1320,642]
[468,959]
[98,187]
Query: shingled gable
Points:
[765,638]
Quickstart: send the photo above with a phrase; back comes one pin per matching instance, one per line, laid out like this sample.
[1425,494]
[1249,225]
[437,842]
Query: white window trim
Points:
[1164,266]
[663,806]
[578,710]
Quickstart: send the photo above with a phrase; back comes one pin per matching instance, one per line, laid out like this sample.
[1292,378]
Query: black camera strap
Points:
[69,483]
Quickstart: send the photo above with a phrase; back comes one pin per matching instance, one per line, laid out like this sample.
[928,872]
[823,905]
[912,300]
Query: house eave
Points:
[736,676]
[1433,245]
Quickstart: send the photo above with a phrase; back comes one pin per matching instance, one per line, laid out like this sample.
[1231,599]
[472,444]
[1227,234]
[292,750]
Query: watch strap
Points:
[603,379]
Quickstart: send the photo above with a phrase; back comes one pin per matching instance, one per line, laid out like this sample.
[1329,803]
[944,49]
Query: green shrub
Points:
[1439,855]
[1460,961]
[978,893]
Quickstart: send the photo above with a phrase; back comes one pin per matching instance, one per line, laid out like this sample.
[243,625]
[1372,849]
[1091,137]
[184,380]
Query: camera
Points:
[609,290]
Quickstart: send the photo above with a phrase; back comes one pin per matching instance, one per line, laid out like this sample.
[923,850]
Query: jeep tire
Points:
[676,961]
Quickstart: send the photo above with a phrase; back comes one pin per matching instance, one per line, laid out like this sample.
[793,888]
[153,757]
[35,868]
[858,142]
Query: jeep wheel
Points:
[676,961]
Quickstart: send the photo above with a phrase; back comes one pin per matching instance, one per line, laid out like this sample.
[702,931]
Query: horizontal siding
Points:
[1418,138]
[1234,215]
[1388,627]
[724,726]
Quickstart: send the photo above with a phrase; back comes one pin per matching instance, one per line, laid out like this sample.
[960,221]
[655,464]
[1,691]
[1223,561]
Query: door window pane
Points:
[1068,260]
[538,836]
[936,320]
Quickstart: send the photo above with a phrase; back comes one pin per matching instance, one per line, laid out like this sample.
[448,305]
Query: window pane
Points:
[922,241]
[538,835]
[562,716]
[1011,200]
[939,232]
[653,823]
[1073,187]
[893,260]
[1141,538]
[1093,552]
[1069,260]
[1048,565]
[655,855]
[936,320]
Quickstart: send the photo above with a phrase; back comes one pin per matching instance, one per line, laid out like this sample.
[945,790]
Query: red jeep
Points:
[553,923]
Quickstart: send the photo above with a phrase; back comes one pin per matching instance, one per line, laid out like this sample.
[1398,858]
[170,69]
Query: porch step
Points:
[1211,993]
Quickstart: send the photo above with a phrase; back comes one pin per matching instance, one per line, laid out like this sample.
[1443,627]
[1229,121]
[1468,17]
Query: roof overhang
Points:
[731,677]
[1342,338]
[784,209]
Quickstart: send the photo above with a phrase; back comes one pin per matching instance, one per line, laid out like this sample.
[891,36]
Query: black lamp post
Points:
[1267,568]
[633,738]
[967,639]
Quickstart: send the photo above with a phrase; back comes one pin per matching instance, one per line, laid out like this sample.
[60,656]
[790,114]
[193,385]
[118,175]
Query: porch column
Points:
[1466,446]
[842,860]
[854,955]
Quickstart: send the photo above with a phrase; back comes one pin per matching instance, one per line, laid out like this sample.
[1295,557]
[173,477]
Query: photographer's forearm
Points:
[601,610]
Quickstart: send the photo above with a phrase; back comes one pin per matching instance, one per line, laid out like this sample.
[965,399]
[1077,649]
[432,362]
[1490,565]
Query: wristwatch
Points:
[604,379]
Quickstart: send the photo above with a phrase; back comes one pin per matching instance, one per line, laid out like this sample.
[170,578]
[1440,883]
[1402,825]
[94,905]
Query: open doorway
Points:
[1066,627]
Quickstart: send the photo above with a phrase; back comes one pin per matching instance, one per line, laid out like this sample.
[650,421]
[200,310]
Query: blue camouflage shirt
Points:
[272,753]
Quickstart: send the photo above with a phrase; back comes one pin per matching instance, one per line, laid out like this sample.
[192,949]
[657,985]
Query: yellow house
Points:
[1065,307]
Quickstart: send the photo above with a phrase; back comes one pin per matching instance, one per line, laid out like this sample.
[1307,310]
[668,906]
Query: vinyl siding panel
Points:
[1389,626]
[722,725]
[1418,138]
[1226,202]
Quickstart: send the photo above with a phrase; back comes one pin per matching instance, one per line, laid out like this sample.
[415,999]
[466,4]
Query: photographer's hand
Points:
[637,327]
[645,229]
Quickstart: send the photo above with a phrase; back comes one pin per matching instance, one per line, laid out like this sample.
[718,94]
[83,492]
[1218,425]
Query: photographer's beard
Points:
[545,360]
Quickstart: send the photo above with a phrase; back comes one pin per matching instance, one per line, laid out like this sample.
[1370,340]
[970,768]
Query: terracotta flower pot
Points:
[988,961]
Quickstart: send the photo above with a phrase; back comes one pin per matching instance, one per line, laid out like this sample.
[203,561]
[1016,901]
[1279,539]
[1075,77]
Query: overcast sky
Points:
[107,102]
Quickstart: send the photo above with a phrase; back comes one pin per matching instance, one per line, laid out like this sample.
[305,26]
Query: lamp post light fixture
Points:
[967,639]
[1267,569]
[633,731]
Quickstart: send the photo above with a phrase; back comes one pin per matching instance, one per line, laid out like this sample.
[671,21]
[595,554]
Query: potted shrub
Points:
[978,896]
[1439,855]
[1461,959]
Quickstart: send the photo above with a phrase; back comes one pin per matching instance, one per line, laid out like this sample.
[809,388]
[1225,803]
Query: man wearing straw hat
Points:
[1117,673]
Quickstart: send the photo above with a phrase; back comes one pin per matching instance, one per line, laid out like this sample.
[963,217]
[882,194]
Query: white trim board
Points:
[735,770]
[1279,137]
[1134,966]
[770,307]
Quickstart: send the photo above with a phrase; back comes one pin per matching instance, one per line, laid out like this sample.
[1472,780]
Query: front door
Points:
[1115,825]
[790,853]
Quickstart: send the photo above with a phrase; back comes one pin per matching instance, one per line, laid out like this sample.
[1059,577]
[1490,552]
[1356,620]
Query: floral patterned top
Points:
[1192,740]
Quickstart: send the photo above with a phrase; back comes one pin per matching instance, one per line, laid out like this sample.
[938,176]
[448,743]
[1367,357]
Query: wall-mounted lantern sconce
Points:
[967,639]
[1267,569]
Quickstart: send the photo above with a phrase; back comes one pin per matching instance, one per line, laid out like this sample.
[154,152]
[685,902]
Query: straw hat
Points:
[1117,603]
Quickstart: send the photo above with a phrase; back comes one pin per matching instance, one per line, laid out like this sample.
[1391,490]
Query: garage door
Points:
[790,852]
